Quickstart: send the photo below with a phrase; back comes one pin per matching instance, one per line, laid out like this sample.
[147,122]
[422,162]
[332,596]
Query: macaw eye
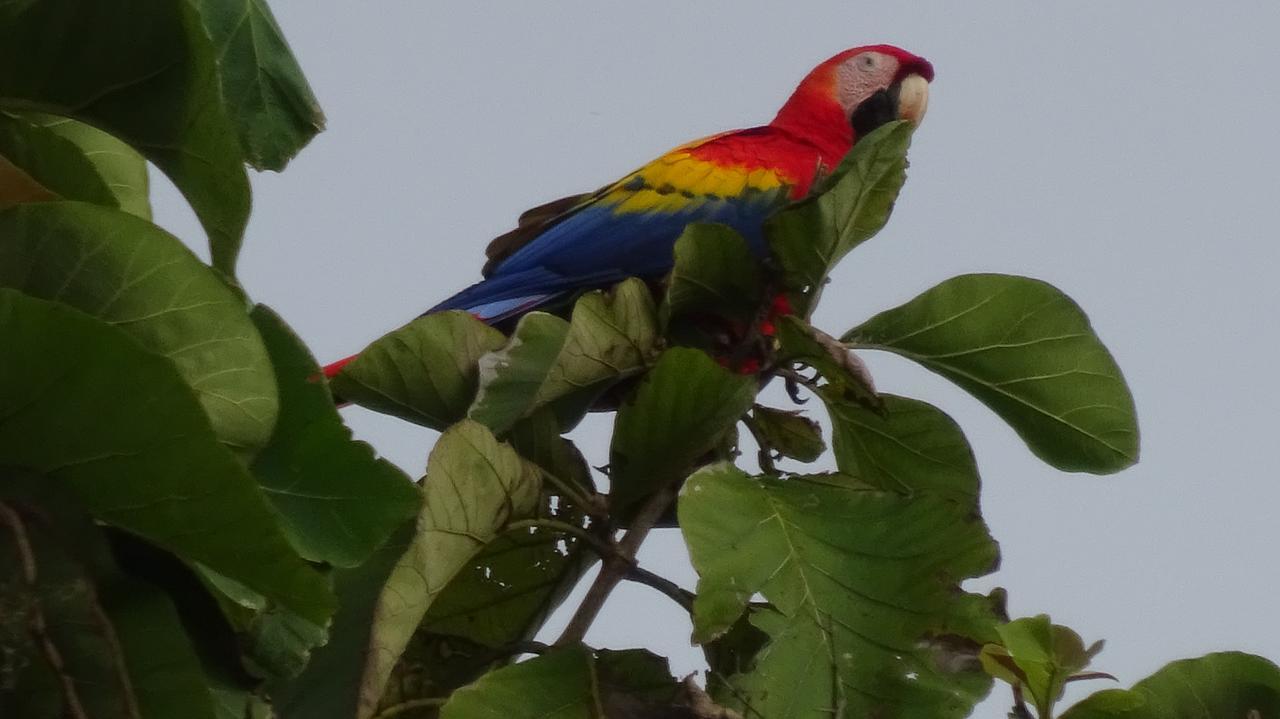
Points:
[866,62]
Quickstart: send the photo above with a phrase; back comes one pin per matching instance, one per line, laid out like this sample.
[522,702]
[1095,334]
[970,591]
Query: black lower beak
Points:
[880,108]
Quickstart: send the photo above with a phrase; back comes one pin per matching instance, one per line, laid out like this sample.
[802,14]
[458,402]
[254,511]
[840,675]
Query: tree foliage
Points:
[188,529]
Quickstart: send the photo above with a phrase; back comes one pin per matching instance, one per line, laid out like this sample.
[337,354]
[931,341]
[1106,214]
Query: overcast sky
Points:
[1124,151]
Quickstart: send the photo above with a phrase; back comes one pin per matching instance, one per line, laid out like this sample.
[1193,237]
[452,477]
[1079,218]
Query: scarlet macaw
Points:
[740,177]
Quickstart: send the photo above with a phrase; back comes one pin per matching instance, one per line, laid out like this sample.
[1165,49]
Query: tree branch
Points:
[617,566]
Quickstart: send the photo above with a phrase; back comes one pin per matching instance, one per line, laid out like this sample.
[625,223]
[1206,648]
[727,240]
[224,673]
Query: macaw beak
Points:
[913,98]
[906,99]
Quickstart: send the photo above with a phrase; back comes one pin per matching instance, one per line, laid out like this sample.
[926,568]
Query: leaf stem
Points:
[574,493]
[765,455]
[617,565]
[678,594]
[603,548]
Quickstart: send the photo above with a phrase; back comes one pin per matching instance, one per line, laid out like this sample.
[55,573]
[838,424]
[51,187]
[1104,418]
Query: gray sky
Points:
[1124,151]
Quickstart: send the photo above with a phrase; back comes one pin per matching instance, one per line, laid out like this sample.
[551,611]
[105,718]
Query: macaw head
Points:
[855,92]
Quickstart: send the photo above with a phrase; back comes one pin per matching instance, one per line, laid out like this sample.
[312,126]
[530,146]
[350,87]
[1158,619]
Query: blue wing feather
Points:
[600,242]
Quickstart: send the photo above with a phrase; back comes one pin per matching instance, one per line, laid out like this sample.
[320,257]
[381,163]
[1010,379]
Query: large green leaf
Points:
[611,336]
[474,487]
[45,166]
[424,372]
[265,93]
[130,273]
[337,499]
[865,584]
[911,448]
[1221,685]
[809,238]
[121,167]
[329,686]
[574,683]
[715,273]
[146,73]
[84,404]
[510,588]
[676,416]
[114,645]
[1029,353]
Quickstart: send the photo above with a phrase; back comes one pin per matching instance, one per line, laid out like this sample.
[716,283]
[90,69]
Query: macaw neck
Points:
[818,121]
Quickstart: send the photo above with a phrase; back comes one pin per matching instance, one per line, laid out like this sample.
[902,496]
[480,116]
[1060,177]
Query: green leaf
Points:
[338,501]
[265,92]
[573,683]
[611,336]
[509,589]
[44,166]
[675,417]
[274,643]
[84,404]
[424,372]
[121,167]
[869,577]
[1225,684]
[474,487]
[1037,655]
[120,647]
[130,273]
[329,686]
[1029,353]
[555,685]
[151,83]
[809,238]
[911,448]
[791,434]
[715,274]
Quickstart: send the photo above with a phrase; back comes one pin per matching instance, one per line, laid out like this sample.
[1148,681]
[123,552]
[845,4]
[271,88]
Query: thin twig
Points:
[765,455]
[616,567]
[603,548]
[1020,710]
[588,503]
[678,594]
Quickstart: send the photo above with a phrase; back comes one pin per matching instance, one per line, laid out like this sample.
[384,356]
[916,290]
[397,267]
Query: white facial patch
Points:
[862,76]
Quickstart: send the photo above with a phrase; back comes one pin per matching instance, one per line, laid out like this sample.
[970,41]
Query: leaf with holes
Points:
[868,578]
[474,487]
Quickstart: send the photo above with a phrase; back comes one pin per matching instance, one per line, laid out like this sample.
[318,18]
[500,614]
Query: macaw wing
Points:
[530,224]
[626,229]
